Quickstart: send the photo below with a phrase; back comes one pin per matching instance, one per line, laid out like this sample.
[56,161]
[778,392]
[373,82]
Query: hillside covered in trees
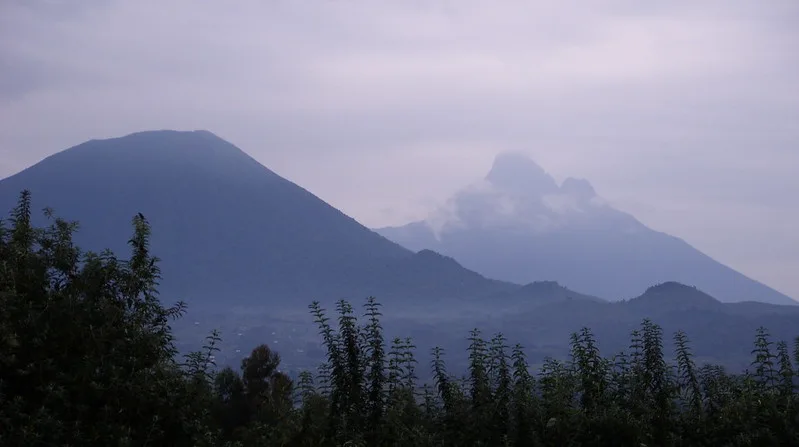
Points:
[87,357]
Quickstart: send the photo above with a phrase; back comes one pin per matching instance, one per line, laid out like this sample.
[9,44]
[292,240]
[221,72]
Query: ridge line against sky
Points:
[681,113]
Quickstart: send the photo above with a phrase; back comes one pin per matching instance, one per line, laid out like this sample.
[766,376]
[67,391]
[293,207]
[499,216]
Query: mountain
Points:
[230,231]
[721,333]
[537,294]
[542,316]
[248,250]
[670,297]
[519,225]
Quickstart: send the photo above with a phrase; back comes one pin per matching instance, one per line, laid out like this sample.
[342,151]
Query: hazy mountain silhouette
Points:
[229,230]
[672,296]
[719,332]
[538,294]
[519,225]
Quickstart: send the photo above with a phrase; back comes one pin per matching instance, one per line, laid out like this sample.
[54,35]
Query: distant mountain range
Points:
[519,225]
[230,231]
[719,332]
[540,316]
[249,250]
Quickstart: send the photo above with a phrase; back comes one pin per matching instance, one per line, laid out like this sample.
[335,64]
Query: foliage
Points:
[86,351]
[87,358]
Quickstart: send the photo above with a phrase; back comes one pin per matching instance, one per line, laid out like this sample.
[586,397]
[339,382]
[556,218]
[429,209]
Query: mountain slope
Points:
[719,332]
[537,294]
[519,225]
[229,230]
[671,297]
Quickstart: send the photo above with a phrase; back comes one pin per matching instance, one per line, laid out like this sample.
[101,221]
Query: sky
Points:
[683,113]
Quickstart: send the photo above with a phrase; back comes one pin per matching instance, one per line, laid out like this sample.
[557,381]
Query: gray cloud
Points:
[681,112]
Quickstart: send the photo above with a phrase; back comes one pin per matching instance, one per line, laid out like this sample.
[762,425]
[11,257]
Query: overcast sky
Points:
[683,113]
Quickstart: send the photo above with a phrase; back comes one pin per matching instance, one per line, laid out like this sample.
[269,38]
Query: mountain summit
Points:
[516,171]
[229,230]
[519,225]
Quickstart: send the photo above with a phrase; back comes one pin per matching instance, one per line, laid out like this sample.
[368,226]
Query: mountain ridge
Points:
[517,224]
[228,229]
[190,184]
[249,250]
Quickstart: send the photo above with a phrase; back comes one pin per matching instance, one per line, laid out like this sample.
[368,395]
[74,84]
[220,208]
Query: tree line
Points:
[87,357]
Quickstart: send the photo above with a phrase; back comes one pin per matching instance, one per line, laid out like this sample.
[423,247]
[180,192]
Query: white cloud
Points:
[563,203]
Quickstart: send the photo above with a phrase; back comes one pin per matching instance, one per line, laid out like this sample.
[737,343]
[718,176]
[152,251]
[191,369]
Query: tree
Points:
[86,351]
[87,358]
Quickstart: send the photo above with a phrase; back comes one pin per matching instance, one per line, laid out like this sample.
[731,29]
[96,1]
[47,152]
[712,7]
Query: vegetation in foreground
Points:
[87,357]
